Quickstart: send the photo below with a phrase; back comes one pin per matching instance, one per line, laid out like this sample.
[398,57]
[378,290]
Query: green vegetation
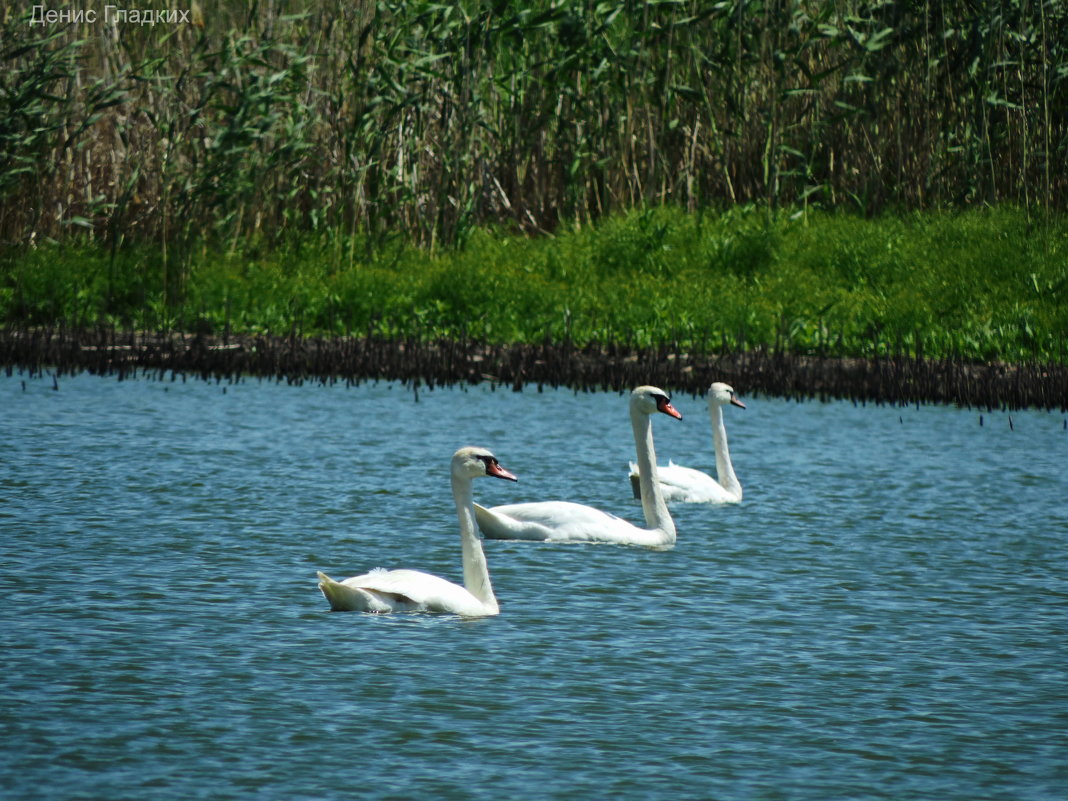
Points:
[431,119]
[846,178]
[984,285]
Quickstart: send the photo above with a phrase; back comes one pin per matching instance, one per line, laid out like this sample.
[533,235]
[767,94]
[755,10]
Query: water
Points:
[884,617]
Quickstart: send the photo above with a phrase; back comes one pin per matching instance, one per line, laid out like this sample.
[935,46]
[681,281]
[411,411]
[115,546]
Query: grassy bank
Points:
[516,173]
[987,285]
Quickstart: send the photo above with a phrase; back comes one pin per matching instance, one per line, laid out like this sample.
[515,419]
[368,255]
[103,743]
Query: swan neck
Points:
[724,469]
[654,507]
[476,571]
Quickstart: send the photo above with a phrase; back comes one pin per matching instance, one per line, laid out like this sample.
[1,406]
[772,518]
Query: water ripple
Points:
[884,617]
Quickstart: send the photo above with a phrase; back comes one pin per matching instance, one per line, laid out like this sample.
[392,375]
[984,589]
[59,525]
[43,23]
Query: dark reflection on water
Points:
[883,617]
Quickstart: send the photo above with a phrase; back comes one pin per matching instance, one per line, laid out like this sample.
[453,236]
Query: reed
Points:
[707,177]
[428,120]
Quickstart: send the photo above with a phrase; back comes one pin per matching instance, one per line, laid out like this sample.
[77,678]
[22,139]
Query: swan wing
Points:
[687,485]
[400,591]
[554,521]
[681,484]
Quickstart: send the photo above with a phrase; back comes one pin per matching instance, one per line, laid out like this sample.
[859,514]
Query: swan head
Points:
[721,394]
[649,400]
[474,462]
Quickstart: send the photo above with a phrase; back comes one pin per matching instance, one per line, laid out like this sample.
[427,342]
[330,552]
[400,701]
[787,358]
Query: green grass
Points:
[981,285]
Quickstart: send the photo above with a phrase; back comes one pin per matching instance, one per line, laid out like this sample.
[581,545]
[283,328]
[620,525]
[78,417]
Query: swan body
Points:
[562,521]
[415,591]
[687,485]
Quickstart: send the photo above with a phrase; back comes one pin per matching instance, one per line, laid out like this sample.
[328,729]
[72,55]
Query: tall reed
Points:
[426,119]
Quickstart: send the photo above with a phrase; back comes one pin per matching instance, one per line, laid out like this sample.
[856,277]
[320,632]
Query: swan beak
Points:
[495,470]
[664,405]
[736,402]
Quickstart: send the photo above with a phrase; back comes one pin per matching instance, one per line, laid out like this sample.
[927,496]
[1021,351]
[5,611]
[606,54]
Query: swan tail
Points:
[345,598]
[635,481]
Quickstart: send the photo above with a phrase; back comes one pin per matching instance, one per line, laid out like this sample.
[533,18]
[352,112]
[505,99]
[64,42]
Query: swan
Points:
[415,591]
[692,486]
[561,521]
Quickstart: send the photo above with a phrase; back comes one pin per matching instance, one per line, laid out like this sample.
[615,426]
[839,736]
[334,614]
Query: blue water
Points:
[883,617]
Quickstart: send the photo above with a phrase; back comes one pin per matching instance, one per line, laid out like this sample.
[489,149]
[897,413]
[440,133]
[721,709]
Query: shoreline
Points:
[894,380]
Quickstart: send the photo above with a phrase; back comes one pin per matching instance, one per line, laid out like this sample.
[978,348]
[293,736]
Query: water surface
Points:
[883,617]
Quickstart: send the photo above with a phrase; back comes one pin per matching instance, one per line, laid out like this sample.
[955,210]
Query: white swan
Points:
[560,521]
[415,591]
[687,485]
